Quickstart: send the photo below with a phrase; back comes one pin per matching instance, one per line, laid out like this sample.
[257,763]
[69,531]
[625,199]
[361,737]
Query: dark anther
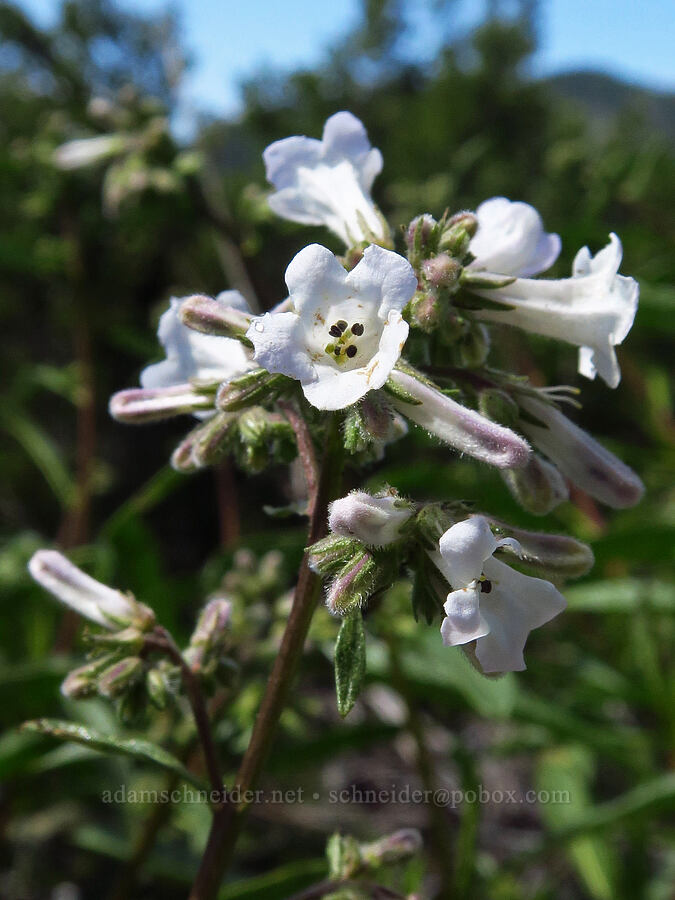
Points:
[342,325]
[337,351]
[351,351]
[486,586]
[334,331]
[357,328]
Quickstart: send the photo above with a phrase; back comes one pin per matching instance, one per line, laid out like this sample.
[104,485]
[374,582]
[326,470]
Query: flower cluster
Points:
[380,339]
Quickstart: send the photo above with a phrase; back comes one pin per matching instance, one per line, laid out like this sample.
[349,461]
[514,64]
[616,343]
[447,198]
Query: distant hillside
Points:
[603,97]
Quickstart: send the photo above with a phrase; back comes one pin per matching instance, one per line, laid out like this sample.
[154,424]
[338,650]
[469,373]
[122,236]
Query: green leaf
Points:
[621,595]
[134,747]
[42,450]
[350,661]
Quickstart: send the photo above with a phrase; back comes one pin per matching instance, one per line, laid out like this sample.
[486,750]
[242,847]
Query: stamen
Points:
[357,329]
[351,351]
[334,331]
[341,325]
[485,586]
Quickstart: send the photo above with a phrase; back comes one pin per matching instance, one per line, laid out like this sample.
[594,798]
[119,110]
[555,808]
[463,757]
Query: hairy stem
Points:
[228,820]
[305,450]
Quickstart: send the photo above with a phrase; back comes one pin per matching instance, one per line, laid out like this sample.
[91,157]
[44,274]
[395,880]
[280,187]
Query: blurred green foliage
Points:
[82,283]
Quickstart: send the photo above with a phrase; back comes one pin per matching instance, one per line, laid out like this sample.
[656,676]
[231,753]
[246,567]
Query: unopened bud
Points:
[157,688]
[250,389]
[395,848]
[420,231]
[209,316]
[212,623]
[462,428]
[425,313]
[80,683]
[130,639]
[555,555]
[140,405]
[120,676]
[498,406]
[353,584]
[329,555]
[457,234]
[373,520]
[538,487]
[474,345]
[579,457]
[441,271]
[206,445]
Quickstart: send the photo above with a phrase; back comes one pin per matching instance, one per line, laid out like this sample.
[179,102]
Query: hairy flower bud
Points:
[394,848]
[424,311]
[554,555]
[208,316]
[250,389]
[137,406]
[441,271]
[419,231]
[538,487]
[80,683]
[119,677]
[457,234]
[206,445]
[353,584]
[462,428]
[373,520]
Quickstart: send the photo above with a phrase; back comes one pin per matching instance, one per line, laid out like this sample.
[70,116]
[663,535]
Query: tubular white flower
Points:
[594,310]
[88,597]
[193,356]
[511,239]
[87,151]
[580,458]
[328,182]
[344,333]
[462,428]
[491,603]
[373,520]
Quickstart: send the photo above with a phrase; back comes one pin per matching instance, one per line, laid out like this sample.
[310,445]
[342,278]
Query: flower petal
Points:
[464,547]
[345,137]
[384,278]
[511,239]
[279,345]
[463,622]
[282,159]
[315,279]
[515,605]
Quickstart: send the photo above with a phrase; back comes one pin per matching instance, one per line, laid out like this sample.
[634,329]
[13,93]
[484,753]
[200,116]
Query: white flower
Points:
[511,239]
[462,428]
[491,603]
[345,332]
[88,597]
[593,310]
[579,457]
[328,182]
[86,151]
[192,356]
[373,520]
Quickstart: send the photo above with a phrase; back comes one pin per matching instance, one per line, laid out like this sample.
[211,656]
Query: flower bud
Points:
[498,406]
[462,428]
[120,676]
[250,389]
[457,234]
[538,487]
[208,316]
[474,345]
[139,405]
[157,688]
[424,311]
[394,848]
[330,554]
[80,683]
[420,231]
[88,597]
[555,555]
[373,520]
[579,457]
[206,445]
[353,584]
[441,271]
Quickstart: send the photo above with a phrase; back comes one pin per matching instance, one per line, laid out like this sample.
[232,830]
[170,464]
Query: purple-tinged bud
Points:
[212,623]
[157,688]
[120,676]
[457,234]
[373,520]
[441,271]
[579,457]
[208,316]
[462,428]
[538,487]
[88,597]
[554,555]
[80,683]
[424,311]
[394,848]
[205,445]
[250,389]
[353,584]
[420,230]
[137,406]
[329,555]
[467,219]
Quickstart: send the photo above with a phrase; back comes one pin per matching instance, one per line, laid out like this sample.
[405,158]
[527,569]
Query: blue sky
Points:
[230,39]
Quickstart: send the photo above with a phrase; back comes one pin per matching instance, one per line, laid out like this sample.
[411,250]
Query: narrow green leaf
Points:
[42,450]
[350,661]
[134,747]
